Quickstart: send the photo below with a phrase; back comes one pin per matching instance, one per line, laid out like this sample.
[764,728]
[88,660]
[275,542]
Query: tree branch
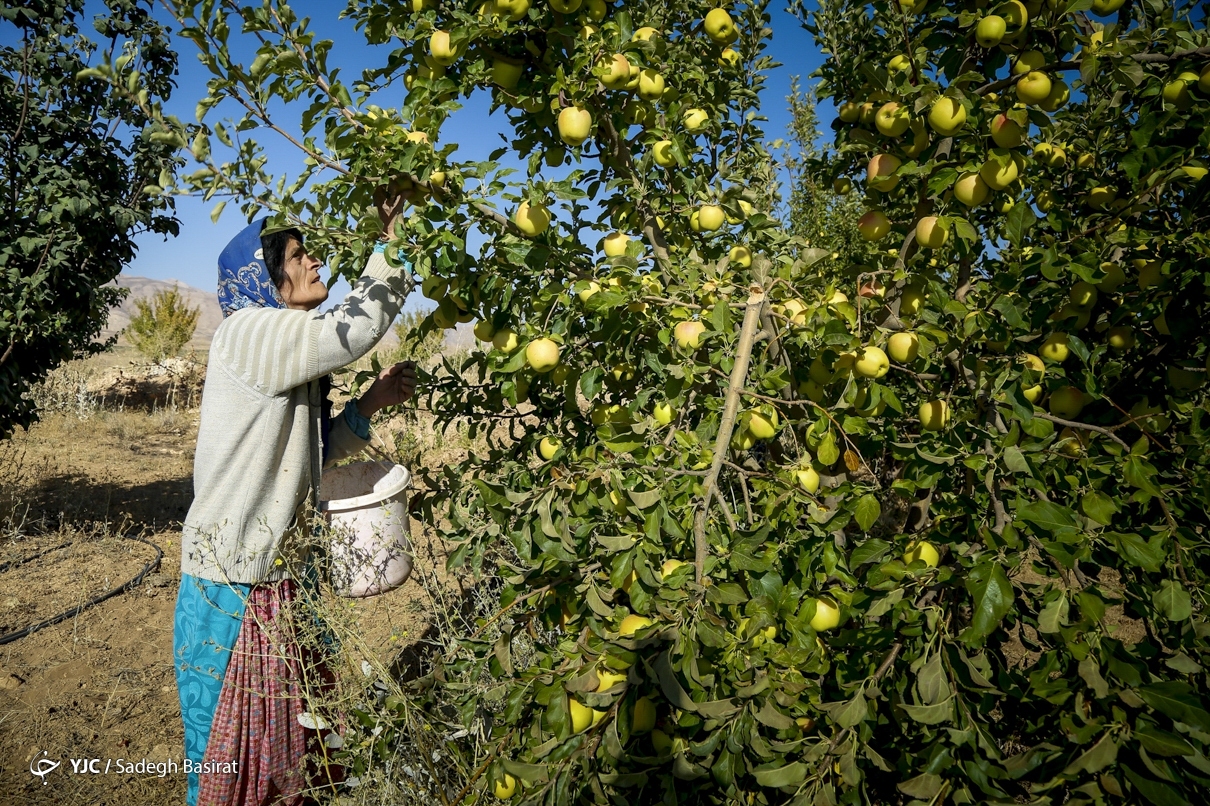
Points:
[739,374]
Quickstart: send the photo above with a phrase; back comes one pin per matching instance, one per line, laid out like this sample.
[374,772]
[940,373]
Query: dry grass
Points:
[129,417]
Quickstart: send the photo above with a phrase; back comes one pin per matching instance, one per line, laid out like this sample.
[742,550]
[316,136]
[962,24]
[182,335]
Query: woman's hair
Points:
[274,248]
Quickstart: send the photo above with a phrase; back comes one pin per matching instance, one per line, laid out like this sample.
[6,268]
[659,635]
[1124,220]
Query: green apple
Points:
[505,340]
[842,186]
[1058,96]
[880,172]
[565,6]
[710,217]
[1000,170]
[617,75]
[899,63]
[903,347]
[695,120]
[947,116]
[614,244]
[434,287]
[760,425]
[893,119]
[924,551]
[548,447]
[1028,61]
[532,220]
[651,85]
[931,233]
[719,26]
[504,788]
[1114,277]
[1083,295]
[1176,92]
[594,10]
[661,742]
[729,59]
[441,50]
[1101,197]
[911,301]
[848,112]
[872,362]
[1104,8]
[971,190]
[663,413]
[1033,88]
[632,623]
[661,152]
[874,225]
[642,719]
[688,335]
[644,34]
[583,717]
[827,614]
[1120,337]
[506,73]
[934,415]
[1055,348]
[990,30]
[484,331]
[740,255]
[1006,133]
[1066,402]
[542,355]
[807,478]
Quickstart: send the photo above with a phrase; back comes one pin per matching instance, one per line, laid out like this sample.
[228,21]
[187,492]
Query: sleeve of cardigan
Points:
[275,350]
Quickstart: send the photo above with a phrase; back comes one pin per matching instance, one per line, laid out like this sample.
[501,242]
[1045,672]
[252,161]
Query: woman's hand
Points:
[394,385]
[391,198]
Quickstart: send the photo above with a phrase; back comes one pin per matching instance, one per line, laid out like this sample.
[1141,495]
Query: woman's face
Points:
[302,289]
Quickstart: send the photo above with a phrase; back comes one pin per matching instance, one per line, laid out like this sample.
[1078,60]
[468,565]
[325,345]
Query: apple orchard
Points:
[926,524]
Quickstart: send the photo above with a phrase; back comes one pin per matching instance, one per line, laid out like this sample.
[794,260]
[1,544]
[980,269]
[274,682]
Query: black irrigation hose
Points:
[15,563]
[96,600]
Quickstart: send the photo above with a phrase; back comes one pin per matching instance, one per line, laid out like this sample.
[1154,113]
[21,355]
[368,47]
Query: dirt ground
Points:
[115,460]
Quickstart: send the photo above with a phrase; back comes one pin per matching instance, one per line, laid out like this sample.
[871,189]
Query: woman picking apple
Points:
[265,435]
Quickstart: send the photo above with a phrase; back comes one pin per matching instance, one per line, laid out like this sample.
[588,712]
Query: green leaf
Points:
[1157,792]
[1096,758]
[925,786]
[1139,473]
[1160,742]
[993,598]
[1173,601]
[1178,701]
[1054,615]
[1014,460]
[931,714]
[1099,507]
[1018,223]
[1147,555]
[791,774]
[827,453]
[866,511]
[1047,515]
[868,552]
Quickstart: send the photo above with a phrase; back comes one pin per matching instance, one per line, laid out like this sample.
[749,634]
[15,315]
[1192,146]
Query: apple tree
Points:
[767,526]
[1035,209]
[82,166]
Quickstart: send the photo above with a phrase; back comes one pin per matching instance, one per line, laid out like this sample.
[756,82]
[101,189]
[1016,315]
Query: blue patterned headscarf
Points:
[243,275]
[244,282]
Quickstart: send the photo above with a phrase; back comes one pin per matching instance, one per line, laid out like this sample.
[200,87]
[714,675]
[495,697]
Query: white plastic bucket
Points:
[367,511]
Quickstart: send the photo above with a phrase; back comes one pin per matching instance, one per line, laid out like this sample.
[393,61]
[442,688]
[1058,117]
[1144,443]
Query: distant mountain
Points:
[211,315]
[145,288]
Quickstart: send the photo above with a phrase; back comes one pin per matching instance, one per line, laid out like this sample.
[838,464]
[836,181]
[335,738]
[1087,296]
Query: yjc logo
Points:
[41,767]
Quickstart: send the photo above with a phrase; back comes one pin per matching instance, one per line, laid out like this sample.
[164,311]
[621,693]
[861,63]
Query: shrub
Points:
[163,325]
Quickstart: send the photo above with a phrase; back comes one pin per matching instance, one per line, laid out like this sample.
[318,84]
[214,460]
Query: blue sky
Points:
[191,256]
